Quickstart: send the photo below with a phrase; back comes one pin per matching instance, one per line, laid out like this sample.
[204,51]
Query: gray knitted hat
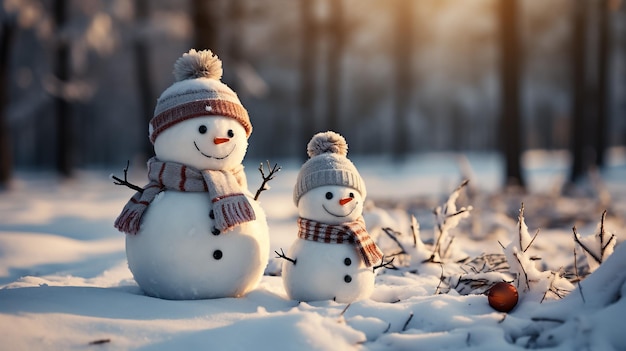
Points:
[197,92]
[328,165]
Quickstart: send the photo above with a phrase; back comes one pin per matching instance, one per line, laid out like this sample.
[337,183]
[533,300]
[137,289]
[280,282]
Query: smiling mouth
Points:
[336,215]
[215,157]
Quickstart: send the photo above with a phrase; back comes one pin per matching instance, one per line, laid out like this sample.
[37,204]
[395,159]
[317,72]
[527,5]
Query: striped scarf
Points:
[350,232]
[230,206]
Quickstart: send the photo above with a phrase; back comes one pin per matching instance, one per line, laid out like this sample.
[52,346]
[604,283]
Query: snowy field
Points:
[65,285]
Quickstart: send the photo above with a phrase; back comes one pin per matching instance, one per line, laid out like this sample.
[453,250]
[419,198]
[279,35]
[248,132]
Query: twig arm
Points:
[125,182]
[272,173]
[284,257]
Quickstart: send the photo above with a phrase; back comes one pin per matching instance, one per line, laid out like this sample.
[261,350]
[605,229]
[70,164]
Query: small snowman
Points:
[333,258]
[194,231]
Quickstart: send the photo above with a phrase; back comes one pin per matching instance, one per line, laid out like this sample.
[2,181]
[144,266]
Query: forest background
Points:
[79,78]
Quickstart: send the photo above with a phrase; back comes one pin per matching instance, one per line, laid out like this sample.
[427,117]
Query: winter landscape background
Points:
[66,285]
[418,88]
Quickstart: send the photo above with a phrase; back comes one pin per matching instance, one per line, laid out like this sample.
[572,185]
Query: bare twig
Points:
[125,182]
[502,246]
[392,235]
[445,252]
[443,212]
[550,288]
[603,246]
[344,310]
[406,324]
[283,256]
[602,232]
[441,278]
[389,264]
[546,319]
[532,240]
[520,220]
[462,185]
[100,342]
[523,270]
[589,251]
[580,289]
[576,265]
[272,173]
[414,228]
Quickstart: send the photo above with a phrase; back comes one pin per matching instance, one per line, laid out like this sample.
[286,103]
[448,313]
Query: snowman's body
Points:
[327,271]
[178,252]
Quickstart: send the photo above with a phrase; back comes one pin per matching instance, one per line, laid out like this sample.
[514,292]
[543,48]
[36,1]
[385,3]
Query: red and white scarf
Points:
[230,206]
[350,232]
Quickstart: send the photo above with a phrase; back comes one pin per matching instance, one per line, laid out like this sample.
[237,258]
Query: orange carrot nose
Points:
[345,200]
[220,140]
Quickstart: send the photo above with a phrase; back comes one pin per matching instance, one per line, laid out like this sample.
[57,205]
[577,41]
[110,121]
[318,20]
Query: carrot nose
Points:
[345,200]
[220,140]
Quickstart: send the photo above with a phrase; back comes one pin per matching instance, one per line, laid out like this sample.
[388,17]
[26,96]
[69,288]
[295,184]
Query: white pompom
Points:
[327,142]
[198,64]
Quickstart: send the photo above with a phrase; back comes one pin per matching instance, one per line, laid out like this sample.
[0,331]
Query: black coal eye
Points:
[329,195]
[202,129]
[351,195]
[231,133]
[347,261]
[217,254]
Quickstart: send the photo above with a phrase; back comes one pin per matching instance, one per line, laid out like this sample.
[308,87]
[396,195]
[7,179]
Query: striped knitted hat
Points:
[327,165]
[197,92]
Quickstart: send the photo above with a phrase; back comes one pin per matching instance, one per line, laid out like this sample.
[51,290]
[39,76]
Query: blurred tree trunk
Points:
[511,128]
[309,49]
[579,138]
[6,159]
[337,39]
[234,48]
[142,68]
[206,24]
[403,48]
[604,91]
[64,147]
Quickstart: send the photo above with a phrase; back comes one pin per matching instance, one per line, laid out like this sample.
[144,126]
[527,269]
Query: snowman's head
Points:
[329,175]
[332,204]
[199,121]
[208,142]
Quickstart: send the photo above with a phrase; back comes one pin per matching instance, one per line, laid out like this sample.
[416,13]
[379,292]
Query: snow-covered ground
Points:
[65,285]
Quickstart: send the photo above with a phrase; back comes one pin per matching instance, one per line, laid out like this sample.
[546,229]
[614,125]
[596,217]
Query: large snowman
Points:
[195,232]
[333,258]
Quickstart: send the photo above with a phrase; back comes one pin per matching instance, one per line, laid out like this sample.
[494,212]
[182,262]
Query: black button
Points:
[215,231]
[217,254]
[212,214]
[347,261]
[347,278]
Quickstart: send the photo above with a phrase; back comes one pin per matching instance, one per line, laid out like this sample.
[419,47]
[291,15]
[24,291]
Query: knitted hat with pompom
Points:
[327,165]
[197,92]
